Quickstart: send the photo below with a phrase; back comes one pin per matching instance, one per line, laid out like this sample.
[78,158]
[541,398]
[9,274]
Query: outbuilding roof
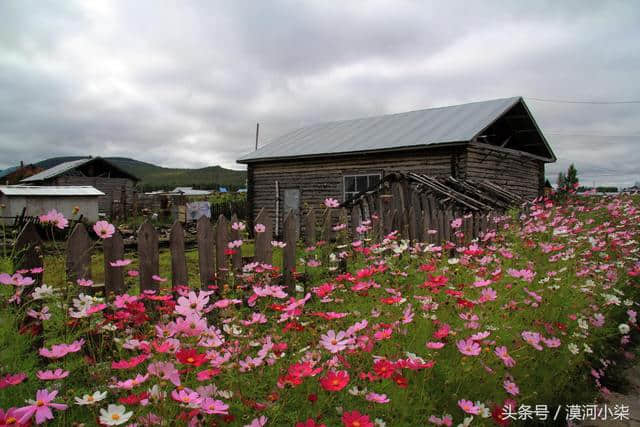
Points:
[48,190]
[67,166]
[453,124]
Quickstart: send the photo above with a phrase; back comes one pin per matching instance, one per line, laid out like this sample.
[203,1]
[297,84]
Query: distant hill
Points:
[156,177]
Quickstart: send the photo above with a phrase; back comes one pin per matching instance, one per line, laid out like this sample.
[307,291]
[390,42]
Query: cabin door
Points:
[292,203]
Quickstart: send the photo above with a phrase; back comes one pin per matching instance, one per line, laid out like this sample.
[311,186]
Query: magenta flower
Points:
[214,406]
[335,343]
[157,278]
[435,345]
[84,282]
[166,371]
[532,338]
[377,398]
[12,379]
[58,374]
[331,203]
[54,218]
[503,354]
[260,228]
[41,407]
[469,347]
[186,397]
[60,350]
[511,387]
[468,407]
[103,229]
[120,262]
[16,280]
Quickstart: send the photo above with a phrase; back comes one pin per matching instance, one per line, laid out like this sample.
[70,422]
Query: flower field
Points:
[535,313]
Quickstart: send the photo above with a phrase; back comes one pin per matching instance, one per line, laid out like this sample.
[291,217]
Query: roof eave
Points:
[350,153]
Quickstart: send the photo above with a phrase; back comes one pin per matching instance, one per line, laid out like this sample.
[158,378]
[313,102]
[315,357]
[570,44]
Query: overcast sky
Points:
[182,84]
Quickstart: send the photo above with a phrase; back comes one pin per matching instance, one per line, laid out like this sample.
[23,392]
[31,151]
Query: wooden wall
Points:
[517,172]
[111,187]
[318,179]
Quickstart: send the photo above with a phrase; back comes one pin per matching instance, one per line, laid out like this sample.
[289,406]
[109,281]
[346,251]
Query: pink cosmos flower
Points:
[511,388]
[132,382]
[258,422]
[377,398]
[335,343]
[16,280]
[103,229]
[503,354]
[234,244]
[213,406]
[157,278]
[120,262]
[55,218]
[193,303]
[42,314]
[239,226]
[446,420]
[456,223]
[552,342]
[60,350]
[435,345]
[133,273]
[186,397]
[383,334]
[41,407]
[12,379]
[469,347]
[532,338]
[260,228]
[468,407]
[84,282]
[480,336]
[331,203]
[58,374]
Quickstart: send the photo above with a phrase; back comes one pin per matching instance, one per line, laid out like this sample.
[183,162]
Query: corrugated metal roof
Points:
[458,123]
[8,171]
[57,170]
[62,191]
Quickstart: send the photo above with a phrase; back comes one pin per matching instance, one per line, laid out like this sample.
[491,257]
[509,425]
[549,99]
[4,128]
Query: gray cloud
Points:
[183,83]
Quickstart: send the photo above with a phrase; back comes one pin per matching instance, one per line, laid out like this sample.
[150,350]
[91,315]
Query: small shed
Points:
[38,200]
[14,174]
[116,184]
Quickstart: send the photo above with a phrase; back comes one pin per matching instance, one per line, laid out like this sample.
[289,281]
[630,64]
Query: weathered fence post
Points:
[78,254]
[113,249]
[263,251]
[356,220]
[222,240]
[204,233]
[179,275]
[148,255]
[413,229]
[310,228]
[29,249]
[327,226]
[236,258]
[289,251]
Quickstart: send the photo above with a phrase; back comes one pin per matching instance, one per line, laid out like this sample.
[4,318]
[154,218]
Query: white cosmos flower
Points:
[573,348]
[624,328]
[114,415]
[90,399]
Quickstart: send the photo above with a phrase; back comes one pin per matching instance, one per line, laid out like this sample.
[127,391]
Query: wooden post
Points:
[78,254]
[236,258]
[264,251]
[179,275]
[356,220]
[204,235]
[413,228]
[310,228]
[113,248]
[148,255]
[289,252]
[28,248]
[327,226]
[222,240]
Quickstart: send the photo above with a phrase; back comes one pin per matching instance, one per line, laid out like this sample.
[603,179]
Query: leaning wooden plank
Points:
[204,236]
[148,254]
[263,250]
[179,275]
[310,228]
[28,250]
[327,225]
[113,249]
[78,254]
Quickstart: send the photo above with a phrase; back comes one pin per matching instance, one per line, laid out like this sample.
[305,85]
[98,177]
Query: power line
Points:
[565,101]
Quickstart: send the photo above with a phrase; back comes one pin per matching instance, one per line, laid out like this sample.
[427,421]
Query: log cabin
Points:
[497,140]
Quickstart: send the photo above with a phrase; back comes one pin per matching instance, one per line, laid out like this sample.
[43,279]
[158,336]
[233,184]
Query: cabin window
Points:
[354,184]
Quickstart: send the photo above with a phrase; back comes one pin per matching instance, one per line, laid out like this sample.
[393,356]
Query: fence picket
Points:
[29,253]
[113,248]
[148,254]
[327,225]
[263,249]
[78,254]
[179,275]
[310,228]
[356,220]
[289,252]
[222,240]
[204,236]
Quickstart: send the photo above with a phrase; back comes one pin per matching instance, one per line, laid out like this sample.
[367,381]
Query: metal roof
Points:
[189,191]
[458,123]
[8,171]
[67,166]
[61,191]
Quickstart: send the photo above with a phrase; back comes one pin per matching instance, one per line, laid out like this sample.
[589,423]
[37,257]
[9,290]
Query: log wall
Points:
[516,172]
[111,187]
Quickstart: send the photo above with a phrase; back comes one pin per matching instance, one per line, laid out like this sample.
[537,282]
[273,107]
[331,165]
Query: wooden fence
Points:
[214,259]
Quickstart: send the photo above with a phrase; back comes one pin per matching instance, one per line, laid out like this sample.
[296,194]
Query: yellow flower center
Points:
[90,398]
[115,417]
[190,359]
[11,420]
[39,403]
[335,381]
[356,424]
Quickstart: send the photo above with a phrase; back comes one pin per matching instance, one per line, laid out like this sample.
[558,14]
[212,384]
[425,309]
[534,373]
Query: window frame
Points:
[355,176]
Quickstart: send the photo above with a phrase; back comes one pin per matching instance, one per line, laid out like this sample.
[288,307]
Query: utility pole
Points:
[257,132]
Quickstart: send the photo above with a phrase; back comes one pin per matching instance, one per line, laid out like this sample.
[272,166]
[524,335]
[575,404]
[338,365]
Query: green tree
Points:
[572,176]
[562,180]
